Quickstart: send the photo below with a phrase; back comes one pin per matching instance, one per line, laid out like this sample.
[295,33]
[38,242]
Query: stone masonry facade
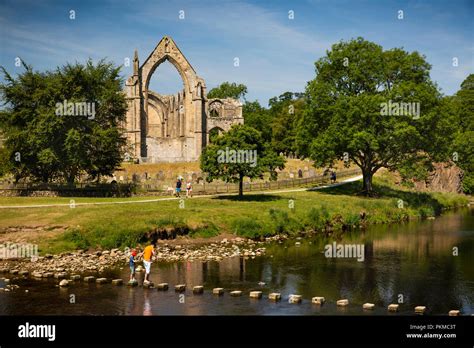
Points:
[173,128]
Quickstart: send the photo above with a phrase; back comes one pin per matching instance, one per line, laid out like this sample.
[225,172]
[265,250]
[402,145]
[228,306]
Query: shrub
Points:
[247,227]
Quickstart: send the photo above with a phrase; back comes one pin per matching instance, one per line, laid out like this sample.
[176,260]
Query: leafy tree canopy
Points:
[63,123]
[238,153]
[374,108]
[228,90]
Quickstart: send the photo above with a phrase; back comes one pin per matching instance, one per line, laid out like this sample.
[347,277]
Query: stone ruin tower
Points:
[173,128]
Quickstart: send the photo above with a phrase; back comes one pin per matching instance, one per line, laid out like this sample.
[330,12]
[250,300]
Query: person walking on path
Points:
[333,177]
[147,257]
[189,190]
[178,187]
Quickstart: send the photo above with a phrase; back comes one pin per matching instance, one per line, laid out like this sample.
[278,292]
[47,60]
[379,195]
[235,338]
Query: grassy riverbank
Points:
[254,216]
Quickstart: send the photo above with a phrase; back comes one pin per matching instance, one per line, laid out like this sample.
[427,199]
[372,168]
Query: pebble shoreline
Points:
[62,265]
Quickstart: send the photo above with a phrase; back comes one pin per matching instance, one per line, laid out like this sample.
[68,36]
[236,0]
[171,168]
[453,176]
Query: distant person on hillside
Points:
[189,189]
[178,187]
[333,177]
[147,255]
[132,265]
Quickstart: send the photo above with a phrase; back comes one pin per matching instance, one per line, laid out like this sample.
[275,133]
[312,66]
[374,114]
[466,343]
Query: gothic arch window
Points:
[215,109]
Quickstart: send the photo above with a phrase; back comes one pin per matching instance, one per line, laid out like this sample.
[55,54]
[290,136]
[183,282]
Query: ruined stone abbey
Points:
[173,128]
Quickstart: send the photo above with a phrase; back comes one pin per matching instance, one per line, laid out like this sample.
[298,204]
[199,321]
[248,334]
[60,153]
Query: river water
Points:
[411,264]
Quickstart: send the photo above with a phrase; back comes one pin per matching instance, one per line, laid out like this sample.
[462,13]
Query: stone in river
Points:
[162,286]
[369,306]
[180,287]
[148,285]
[342,303]
[318,300]
[274,296]
[218,291]
[133,282]
[64,283]
[295,299]
[256,294]
[117,282]
[37,274]
[60,275]
[236,293]
[393,307]
[198,289]
[420,309]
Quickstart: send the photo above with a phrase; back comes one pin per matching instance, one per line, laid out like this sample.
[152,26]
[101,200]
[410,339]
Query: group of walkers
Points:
[189,188]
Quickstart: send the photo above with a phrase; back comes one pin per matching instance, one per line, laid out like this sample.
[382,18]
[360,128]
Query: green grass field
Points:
[254,215]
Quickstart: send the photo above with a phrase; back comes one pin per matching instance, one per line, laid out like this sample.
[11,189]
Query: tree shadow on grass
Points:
[409,198]
[249,198]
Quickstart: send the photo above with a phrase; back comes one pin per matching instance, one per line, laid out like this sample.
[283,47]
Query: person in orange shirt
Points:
[147,255]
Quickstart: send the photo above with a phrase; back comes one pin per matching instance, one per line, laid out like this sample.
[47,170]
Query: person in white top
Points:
[189,190]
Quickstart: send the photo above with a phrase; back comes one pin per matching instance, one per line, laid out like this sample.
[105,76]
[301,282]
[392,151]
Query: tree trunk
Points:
[367,181]
[241,185]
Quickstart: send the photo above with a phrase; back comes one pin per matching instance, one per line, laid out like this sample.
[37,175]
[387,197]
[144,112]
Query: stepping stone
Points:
[117,282]
[256,294]
[75,277]
[180,287]
[420,309]
[368,306]
[295,299]
[60,275]
[63,283]
[454,313]
[274,296]
[342,303]
[101,280]
[37,275]
[148,285]
[89,279]
[198,289]
[23,273]
[14,271]
[393,307]
[132,283]
[318,300]
[48,275]
[218,291]
[162,286]
[236,293]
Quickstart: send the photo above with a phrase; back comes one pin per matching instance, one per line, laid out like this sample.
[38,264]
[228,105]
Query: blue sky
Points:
[276,54]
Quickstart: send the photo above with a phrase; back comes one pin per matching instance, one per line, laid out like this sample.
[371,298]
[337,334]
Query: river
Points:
[429,263]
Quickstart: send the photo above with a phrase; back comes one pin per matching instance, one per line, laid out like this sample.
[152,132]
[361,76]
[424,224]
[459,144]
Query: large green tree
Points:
[63,123]
[239,153]
[463,153]
[351,111]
